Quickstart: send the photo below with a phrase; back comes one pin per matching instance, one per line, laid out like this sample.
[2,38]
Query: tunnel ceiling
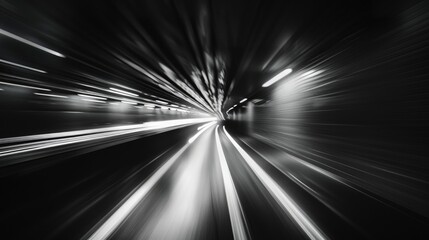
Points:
[203,54]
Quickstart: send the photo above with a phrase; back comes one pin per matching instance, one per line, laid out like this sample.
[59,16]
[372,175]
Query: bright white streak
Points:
[50,95]
[192,139]
[25,86]
[276,78]
[94,97]
[162,102]
[279,195]
[122,92]
[123,211]
[93,100]
[23,40]
[243,100]
[238,224]
[45,141]
[203,126]
[22,66]
[132,103]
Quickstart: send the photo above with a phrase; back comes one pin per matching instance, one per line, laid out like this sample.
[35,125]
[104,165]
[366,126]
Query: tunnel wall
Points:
[361,117]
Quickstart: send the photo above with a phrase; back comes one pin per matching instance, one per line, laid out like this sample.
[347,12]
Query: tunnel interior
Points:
[214,119]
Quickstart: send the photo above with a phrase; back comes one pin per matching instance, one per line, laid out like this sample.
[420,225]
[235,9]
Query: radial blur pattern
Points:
[214,119]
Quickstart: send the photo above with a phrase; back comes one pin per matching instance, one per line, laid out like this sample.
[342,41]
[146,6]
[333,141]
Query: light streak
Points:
[94,97]
[19,147]
[50,95]
[23,40]
[113,222]
[238,223]
[21,66]
[279,195]
[122,92]
[131,103]
[25,86]
[278,77]
[93,100]
[192,139]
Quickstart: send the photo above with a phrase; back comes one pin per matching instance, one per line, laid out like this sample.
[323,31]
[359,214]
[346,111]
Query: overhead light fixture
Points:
[243,100]
[278,77]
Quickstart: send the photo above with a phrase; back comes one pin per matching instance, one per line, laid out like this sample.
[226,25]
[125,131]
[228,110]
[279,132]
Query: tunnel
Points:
[214,119]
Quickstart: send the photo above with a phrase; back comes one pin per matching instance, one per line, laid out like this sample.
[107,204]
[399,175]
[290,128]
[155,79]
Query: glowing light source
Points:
[278,77]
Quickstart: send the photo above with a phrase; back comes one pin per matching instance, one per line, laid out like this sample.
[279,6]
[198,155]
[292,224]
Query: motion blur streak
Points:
[46,141]
[200,131]
[238,222]
[281,196]
[18,38]
[21,66]
[109,226]
[113,117]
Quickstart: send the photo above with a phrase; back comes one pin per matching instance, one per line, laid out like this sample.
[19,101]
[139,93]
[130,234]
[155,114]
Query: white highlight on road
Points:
[21,66]
[25,86]
[278,77]
[280,196]
[50,95]
[23,40]
[238,223]
[201,131]
[203,126]
[243,100]
[113,222]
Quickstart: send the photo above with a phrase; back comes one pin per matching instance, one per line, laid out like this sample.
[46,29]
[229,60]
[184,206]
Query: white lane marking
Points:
[113,222]
[238,223]
[284,200]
